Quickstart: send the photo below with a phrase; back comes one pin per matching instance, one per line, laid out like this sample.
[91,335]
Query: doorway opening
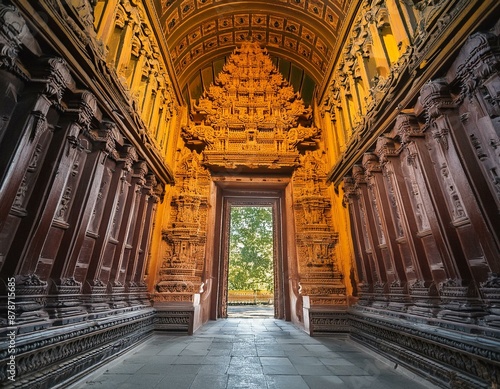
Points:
[239,195]
[251,262]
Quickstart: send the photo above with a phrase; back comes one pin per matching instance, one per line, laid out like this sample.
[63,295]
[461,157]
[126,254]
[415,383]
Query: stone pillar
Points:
[371,224]
[364,261]
[92,256]
[477,141]
[140,236]
[111,252]
[396,259]
[178,287]
[67,265]
[411,246]
[24,149]
[321,284]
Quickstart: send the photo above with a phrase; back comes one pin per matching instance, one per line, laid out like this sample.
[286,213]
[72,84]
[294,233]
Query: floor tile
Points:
[275,361]
[203,381]
[247,381]
[312,370]
[286,382]
[324,382]
[279,369]
[177,381]
[245,369]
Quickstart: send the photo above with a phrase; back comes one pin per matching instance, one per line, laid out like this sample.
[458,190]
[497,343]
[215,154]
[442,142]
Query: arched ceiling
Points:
[300,31]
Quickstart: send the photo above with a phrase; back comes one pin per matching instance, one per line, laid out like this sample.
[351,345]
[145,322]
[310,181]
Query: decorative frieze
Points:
[174,320]
[439,355]
[64,354]
[490,291]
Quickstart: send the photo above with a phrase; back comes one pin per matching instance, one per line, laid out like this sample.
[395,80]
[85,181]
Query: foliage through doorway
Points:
[251,249]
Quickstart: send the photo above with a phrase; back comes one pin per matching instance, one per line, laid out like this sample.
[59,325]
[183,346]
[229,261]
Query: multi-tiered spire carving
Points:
[250,117]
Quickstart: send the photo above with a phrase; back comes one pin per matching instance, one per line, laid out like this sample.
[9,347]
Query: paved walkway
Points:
[250,353]
[251,311]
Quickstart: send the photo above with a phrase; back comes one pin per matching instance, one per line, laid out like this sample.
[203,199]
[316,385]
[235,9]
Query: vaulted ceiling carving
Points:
[300,31]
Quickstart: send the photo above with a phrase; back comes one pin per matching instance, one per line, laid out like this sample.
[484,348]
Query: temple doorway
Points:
[234,198]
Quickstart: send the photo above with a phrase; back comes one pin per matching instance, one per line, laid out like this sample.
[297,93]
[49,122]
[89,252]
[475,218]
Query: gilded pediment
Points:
[250,118]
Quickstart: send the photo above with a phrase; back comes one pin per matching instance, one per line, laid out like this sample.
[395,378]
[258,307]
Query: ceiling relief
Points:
[251,119]
[301,31]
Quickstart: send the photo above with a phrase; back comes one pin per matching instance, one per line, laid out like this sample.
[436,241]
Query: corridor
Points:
[254,353]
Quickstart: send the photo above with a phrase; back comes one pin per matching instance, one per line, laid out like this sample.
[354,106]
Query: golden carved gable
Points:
[250,118]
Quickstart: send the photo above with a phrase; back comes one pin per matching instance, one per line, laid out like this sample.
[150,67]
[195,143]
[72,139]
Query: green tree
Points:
[251,249]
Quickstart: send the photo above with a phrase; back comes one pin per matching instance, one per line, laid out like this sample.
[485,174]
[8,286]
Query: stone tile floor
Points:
[253,353]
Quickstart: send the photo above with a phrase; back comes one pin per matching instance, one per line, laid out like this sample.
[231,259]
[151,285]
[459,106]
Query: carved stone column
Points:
[63,303]
[321,285]
[398,272]
[100,230]
[135,285]
[371,223]
[100,142]
[179,283]
[475,133]
[410,244]
[421,219]
[362,243]
[24,150]
[24,147]
[453,204]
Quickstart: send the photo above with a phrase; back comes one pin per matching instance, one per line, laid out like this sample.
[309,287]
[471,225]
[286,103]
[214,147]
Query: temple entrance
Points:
[232,198]
[250,141]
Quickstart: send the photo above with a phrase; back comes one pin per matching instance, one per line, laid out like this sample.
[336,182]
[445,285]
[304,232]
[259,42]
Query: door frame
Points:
[250,191]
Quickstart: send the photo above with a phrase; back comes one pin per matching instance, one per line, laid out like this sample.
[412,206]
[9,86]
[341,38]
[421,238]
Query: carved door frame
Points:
[250,193]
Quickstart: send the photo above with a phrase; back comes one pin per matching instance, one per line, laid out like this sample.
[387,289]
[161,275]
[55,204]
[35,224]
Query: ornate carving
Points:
[320,278]
[328,322]
[67,352]
[14,35]
[490,291]
[458,211]
[477,61]
[87,109]
[179,276]
[250,118]
[440,353]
